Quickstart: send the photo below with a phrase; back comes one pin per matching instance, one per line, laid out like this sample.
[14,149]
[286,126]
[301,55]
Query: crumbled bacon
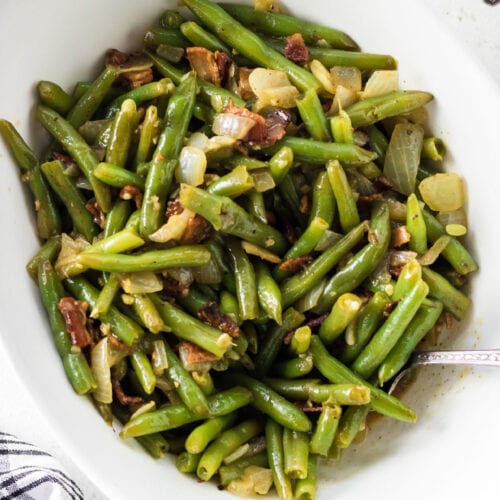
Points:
[382,183]
[313,323]
[295,264]
[174,288]
[307,407]
[174,207]
[133,79]
[97,214]
[290,232]
[244,89]
[194,355]
[210,313]
[204,63]
[224,62]
[400,236]
[304,206]
[74,313]
[115,57]
[130,192]
[296,50]
[197,230]
[122,398]
[66,159]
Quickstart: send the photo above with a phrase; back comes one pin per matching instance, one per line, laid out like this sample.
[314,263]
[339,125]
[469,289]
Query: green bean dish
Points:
[246,230]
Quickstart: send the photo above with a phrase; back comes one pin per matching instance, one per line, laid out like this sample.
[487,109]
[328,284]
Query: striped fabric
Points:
[28,473]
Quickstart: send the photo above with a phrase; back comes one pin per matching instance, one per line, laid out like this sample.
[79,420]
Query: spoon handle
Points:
[488,357]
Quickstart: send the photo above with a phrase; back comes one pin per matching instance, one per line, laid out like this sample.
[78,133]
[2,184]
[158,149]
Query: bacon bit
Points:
[304,205]
[296,50]
[174,207]
[313,323]
[369,199]
[116,343]
[210,313]
[382,183]
[389,307]
[224,62]
[290,233]
[122,398]
[400,236]
[295,264]
[204,63]
[115,57]
[74,313]
[98,215]
[130,192]
[306,407]
[133,79]
[244,89]
[194,355]
[197,230]
[67,160]
[174,288]
[277,121]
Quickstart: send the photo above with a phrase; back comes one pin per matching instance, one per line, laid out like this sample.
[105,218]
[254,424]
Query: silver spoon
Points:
[485,357]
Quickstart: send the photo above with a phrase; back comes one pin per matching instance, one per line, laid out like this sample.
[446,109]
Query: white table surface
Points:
[474,22]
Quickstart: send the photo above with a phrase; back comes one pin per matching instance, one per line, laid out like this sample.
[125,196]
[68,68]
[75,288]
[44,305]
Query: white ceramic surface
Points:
[451,451]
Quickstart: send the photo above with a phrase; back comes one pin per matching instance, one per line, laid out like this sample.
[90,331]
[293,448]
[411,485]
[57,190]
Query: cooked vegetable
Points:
[234,248]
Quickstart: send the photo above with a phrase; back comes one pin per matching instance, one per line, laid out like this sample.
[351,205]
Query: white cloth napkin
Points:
[28,473]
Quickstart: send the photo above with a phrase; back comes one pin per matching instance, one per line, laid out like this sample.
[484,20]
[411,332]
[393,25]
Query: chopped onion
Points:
[261,79]
[344,97]
[455,223]
[311,298]
[66,264]
[263,180]
[264,254]
[183,275]
[159,360]
[272,88]
[399,258]
[322,75]
[235,126]
[429,257]
[328,239]
[347,77]
[174,228]
[443,192]
[145,408]
[140,282]
[380,82]
[254,480]
[403,157]
[280,97]
[207,274]
[191,167]
[101,370]
[238,453]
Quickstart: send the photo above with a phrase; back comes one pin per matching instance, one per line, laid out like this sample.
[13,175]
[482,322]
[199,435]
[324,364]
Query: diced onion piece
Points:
[198,140]
[311,298]
[429,257]
[399,258]
[281,97]
[264,254]
[159,360]
[140,282]
[254,480]
[261,79]
[344,97]
[145,408]
[174,228]
[208,274]
[443,192]
[238,453]
[323,76]
[347,77]
[66,264]
[101,370]
[402,157]
[381,82]
[263,180]
[192,166]
[455,223]
[184,275]
[235,126]
[272,88]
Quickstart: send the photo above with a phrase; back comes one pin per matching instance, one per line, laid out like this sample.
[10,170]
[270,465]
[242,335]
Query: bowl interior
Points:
[65,42]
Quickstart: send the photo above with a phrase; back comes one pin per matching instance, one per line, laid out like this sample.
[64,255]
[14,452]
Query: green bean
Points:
[339,394]
[148,314]
[144,371]
[282,25]
[147,136]
[122,326]
[154,260]
[363,263]
[272,404]
[301,340]
[92,98]
[311,112]
[410,275]
[200,437]
[187,462]
[318,153]
[326,428]
[229,306]
[117,217]
[343,312]
[199,37]
[248,43]
[164,36]
[121,241]
[106,296]
[294,368]
[433,148]
[75,363]
[177,415]
[226,216]
[72,198]
[298,285]
[54,96]
[416,225]
[188,328]
[295,453]
[118,177]
[268,292]
[289,200]
[342,128]
[229,441]
[275,457]
[274,339]
[280,163]
[233,184]
[189,391]
[305,489]
[171,19]
[47,215]
[455,253]
[366,324]
[388,334]
[374,109]
[161,170]
[378,143]
[71,141]
[346,204]
[234,470]
[337,373]
[48,251]
[420,325]
[454,301]
[350,424]
[122,129]
[323,201]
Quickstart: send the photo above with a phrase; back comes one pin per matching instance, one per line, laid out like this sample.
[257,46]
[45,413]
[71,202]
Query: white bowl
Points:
[451,450]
